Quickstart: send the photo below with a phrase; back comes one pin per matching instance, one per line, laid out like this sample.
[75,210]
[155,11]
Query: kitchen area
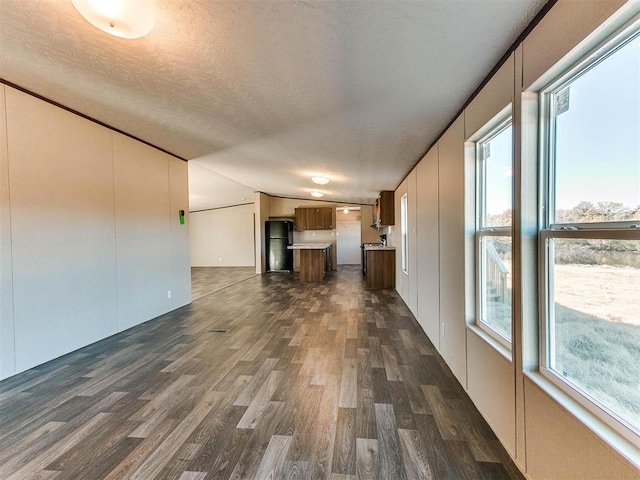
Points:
[308,242]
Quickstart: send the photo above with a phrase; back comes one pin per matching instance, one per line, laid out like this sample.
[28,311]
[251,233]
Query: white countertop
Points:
[309,246]
[378,247]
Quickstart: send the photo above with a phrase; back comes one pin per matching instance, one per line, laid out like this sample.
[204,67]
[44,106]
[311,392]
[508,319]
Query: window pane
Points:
[597,146]
[595,339]
[495,288]
[498,181]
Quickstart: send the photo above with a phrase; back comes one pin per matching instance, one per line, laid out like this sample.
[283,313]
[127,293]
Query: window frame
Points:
[404,236]
[491,130]
[550,230]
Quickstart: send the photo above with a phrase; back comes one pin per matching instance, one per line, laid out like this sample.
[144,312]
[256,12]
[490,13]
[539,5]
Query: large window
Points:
[494,186]
[404,222]
[590,242]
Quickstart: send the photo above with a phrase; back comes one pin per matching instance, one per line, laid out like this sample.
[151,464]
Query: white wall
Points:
[428,246]
[548,434]
[89,249]
[451,241]
[223,237]
[7,327]
[180,261]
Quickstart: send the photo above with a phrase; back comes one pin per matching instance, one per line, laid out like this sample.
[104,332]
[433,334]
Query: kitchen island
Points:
[315,260]
[381,266]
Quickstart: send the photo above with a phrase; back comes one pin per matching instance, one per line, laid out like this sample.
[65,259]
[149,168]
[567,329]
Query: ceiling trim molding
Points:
[525,33]
[220,208]
[86,117]
[316,200]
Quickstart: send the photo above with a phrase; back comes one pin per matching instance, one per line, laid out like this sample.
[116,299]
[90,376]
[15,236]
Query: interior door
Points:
[348,243]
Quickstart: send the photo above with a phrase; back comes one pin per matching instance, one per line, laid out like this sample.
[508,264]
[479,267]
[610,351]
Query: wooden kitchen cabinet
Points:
[381,268]
[384,209]
[315,218]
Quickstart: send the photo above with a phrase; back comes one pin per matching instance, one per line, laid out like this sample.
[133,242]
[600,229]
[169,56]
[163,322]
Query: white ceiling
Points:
[262,94]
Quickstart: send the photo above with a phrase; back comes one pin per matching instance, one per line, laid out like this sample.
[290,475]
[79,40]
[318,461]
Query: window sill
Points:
[499,347]
[623,446]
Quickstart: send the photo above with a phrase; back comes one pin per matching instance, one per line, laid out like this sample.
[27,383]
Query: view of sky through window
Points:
[499,179]
[598,137]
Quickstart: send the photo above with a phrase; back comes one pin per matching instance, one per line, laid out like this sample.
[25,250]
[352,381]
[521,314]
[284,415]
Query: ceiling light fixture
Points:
[320,179]
[346,210]
[122,18]
[317,194]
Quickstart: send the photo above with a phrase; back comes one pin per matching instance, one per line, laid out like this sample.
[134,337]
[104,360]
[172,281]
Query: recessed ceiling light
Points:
[122,18]
[320,179]
[316,194]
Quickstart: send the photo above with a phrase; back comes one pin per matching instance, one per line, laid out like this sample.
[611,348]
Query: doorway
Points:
[348,233]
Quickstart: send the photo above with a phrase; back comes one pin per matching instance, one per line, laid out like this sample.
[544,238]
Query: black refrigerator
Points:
[279,234]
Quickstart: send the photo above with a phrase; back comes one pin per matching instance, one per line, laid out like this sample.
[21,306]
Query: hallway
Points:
[309,381]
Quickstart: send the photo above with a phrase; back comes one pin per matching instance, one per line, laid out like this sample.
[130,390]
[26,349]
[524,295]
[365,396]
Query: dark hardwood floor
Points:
[207,280]
[326,380]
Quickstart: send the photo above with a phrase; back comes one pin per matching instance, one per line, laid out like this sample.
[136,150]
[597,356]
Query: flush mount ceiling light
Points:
[315,193]
[122,18]
[346,210]
[320,179]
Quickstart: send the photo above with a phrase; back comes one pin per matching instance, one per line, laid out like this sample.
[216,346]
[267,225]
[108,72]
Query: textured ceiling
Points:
[266,93]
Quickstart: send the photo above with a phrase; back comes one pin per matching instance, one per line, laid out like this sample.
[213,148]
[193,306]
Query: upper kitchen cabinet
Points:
[315,218]
[384,209]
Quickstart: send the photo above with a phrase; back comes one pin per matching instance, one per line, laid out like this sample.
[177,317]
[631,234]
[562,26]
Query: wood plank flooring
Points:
[320,381]
[207,280]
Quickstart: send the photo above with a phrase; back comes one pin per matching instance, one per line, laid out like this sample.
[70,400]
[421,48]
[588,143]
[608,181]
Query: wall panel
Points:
[223,237]
[496,94]
[7,333]
[63,231]
[427,251]
[452,266]
[143,231]
[491,386]
[180,262]
[200,242]
[567,24]
[402,279]
[559,446]
[412,286]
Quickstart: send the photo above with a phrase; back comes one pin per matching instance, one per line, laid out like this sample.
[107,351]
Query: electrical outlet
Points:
[220,259]
[169,294]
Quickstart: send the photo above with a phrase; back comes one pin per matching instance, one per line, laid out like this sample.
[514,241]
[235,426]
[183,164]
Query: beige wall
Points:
[546,432]
[223,237]
[368,234]
[262,210]
[428,246]
[90,247]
